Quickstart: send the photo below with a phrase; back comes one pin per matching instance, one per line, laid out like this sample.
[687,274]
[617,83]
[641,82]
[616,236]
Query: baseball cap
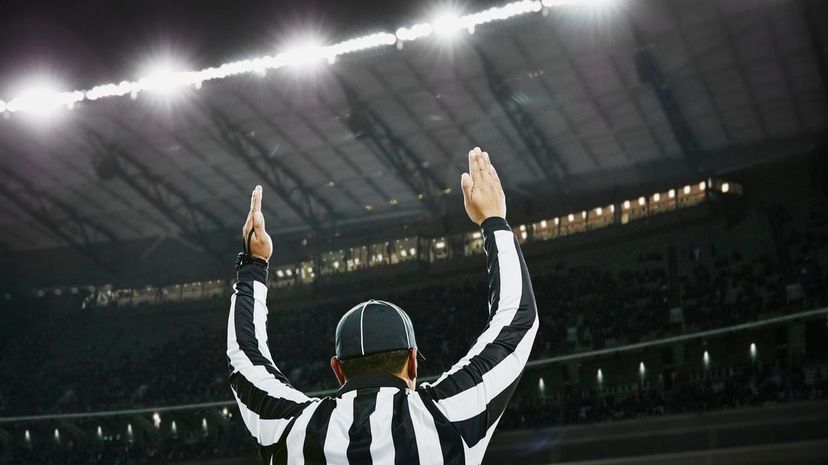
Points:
[371,327]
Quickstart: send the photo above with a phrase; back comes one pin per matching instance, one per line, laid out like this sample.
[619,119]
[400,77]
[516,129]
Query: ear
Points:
[411,365]
[336,366]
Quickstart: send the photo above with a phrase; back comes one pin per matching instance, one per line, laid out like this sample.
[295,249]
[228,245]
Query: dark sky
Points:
[87,42]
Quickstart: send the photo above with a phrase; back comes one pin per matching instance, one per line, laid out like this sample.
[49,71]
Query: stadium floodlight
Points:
[702,185]
[129,429]
[557,221]
[642,201]
[440,245]
[642,370]
[543,224]
[57,435]
[687,189]
[280,273]
[725,187]
[626,205]
[523,235]
[173,428]
[204,428]
[571,217]
[541,387]
[706,359]
[584,214]
[600,376]
[599,211]
[447,24]
[156,419]
[656,197]
[412,251]
[672,193]
[27,436]
[99,432]
[41,97]
[753,351]
[417,31]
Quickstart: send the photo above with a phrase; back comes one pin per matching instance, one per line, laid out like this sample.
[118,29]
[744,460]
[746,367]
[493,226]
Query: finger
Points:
[259,224]
[256,200]
[474,165]
[466,184]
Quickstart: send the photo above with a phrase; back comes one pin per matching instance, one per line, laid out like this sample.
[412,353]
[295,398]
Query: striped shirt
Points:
[376,419]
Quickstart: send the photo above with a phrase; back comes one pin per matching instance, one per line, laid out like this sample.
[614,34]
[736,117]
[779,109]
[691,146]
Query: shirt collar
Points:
[372,380]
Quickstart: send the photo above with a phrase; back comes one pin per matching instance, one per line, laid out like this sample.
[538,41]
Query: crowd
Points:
[735,386]
[749,384]
[582,307]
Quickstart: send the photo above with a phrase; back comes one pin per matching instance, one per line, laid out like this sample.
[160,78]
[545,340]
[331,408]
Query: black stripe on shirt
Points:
[246,330]
[315,432]
[474,429]
[402,432]
[263,404]
[359,434]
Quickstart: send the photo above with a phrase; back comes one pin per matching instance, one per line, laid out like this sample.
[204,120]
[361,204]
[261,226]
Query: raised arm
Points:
[473,394]
[266,399]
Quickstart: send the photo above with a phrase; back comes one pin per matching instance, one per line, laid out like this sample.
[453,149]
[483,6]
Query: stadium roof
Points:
[566,100]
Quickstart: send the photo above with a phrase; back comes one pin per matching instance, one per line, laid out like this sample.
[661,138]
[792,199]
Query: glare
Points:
[642,201]
[57,435]
[156,419]
[626,205]
[100,432]
[28,436]
[753,350]
[447,24]
[162,77]
[725,187]
[686,189]
[706,359]
[656,197]
[543,223]
[541,386]
[40,97]
[129,429]
[600,376]
[412,251]
[642,370]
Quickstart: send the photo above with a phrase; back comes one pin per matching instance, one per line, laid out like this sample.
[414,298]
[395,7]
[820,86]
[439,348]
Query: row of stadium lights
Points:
[156,421]
[642,368]
[43,98]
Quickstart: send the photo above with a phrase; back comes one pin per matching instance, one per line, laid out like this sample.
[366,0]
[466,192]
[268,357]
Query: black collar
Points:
[372,380]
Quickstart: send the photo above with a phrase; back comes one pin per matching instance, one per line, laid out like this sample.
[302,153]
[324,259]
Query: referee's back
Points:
[376,418]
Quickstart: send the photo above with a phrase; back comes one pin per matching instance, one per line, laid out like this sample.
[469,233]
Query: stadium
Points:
[665,167]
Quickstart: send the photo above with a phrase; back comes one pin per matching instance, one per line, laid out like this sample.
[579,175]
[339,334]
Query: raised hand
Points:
[482,193]
[261,245]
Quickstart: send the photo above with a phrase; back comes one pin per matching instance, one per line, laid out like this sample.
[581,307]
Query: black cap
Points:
[371,327]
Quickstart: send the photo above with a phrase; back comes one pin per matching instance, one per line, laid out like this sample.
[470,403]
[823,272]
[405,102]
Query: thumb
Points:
[466,184]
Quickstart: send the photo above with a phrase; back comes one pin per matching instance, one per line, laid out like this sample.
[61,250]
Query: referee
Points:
[379,415]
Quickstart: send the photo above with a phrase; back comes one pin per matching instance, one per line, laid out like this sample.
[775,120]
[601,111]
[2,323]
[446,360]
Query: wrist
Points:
[494,223]
[245,259]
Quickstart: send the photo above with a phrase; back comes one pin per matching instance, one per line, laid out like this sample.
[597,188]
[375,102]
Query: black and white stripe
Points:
[376,419]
